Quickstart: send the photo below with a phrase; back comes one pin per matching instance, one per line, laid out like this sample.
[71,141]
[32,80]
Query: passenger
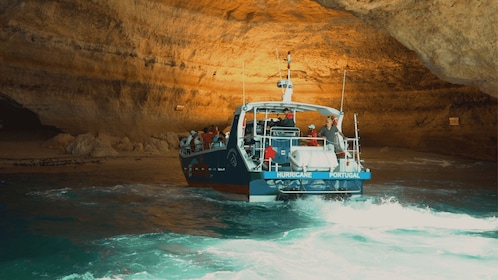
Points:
[312,133]
[328,132]
[223,138]
[184,148]
[198,143]
[288,120]
[218,141]
[189,144]
[286,111]
[207,138]
[214,129]
[194,140]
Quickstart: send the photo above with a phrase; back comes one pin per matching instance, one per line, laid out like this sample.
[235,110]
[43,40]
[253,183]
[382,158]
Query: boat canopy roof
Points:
[278,106]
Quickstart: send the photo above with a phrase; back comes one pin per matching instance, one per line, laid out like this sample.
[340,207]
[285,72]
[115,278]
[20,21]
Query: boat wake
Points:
[369,238]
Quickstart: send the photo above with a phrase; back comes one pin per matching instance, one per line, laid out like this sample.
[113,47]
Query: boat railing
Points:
[284,146]
[285,131]
[353,146]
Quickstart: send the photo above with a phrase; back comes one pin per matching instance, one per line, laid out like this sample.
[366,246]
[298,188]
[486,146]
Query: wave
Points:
[390,213]
[368,238]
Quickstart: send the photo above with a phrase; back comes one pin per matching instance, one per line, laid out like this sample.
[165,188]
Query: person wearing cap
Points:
[312,133]
[190,137]
[288,120]
[194,141]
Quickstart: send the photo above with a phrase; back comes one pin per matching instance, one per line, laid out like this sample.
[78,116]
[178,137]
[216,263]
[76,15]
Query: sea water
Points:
[418,219]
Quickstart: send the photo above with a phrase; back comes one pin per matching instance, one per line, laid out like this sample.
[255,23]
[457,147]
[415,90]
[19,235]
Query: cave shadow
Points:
[20,123]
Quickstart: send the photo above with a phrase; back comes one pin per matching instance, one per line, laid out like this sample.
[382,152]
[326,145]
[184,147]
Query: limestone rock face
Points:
[456,40]
[135,69]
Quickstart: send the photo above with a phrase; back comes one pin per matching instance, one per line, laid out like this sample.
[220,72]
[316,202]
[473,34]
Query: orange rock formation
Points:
[124,67]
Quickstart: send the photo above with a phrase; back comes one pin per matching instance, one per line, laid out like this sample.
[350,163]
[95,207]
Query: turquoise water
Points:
[421,220]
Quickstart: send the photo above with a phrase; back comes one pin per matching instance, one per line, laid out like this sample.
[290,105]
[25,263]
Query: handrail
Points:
[285,131]
[319,192]
[262,141]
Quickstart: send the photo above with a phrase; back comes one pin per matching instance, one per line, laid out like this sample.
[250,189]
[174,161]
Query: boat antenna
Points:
[243,84]
[288,89]
[279,70]
[286,84]
[288,66]
[343,85]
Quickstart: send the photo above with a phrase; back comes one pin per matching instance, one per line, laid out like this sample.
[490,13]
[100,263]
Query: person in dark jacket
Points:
[328,131]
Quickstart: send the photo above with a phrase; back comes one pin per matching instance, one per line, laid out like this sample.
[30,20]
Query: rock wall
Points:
[456,40]
[124,67]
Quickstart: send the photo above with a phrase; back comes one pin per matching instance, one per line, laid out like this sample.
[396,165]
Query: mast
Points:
[279,70]
[287,84]
[243,84]
[343,85]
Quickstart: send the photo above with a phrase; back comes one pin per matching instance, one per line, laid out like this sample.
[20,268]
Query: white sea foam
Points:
[363,239]
[368,240]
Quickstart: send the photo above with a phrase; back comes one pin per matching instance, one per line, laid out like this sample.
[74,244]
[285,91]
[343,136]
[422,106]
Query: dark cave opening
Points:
[20,123]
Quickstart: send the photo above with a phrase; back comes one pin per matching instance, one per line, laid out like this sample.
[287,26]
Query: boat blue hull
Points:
[224,170]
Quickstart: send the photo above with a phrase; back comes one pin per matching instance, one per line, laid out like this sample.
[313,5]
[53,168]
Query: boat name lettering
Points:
[294,174]
[344,175]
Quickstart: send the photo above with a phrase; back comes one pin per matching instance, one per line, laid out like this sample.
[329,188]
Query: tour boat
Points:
[260,160]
